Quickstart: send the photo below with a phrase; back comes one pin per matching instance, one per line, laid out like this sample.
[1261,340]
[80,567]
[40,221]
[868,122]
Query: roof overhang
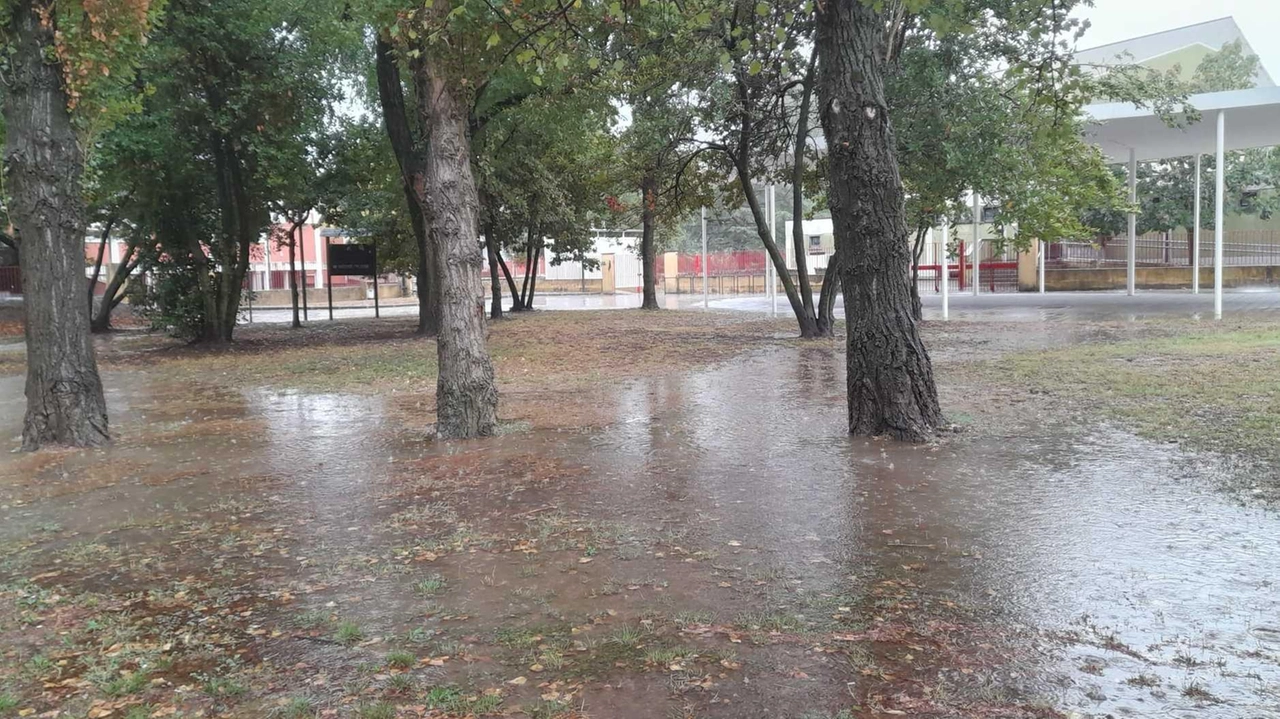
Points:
[1253,120]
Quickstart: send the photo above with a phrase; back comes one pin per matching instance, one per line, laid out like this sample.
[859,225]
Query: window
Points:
[815,243]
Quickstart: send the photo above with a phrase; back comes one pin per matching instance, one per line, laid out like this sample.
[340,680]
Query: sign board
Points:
[352,260]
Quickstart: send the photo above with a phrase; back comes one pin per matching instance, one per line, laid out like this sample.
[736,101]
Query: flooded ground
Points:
[705,542]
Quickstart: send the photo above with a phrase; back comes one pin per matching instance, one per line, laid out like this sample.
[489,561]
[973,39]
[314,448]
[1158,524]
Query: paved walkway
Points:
[1026,306]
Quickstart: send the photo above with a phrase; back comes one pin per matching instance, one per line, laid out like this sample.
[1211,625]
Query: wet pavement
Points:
[772,565]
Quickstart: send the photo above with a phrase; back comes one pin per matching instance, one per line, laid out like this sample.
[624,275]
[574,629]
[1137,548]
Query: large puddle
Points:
[1136,589]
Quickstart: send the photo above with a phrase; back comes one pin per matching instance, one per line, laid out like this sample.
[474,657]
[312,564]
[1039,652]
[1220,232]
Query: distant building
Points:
[1184,47]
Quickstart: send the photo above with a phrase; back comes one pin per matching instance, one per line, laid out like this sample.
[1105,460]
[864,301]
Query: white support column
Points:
[321,260]
[1217,219]
[977,243]
[1132,281]
[706,300]
[1195,235]
[266,258]
[946,270]
[773,236]
[1040,250]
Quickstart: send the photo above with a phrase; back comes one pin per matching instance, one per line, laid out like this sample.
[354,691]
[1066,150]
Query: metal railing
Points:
[1245,248]
[10,280]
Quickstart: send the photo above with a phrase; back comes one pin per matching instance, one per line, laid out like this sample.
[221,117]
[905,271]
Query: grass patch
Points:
[348,633]
[377,710]
[430,585]
[8,702]
[296,708]
[401,660]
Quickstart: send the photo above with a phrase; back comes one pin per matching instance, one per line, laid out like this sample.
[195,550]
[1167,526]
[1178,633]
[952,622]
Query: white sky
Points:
[1115,20]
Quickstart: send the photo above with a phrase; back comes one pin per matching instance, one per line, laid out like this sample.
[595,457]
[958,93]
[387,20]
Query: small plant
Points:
[311,620]
[545,709]
[296,708]
[348,633]
[400,684]
[430,585]
[141,711]
[445,698]
[401,660]
[8,702]
[626,636]
[220,687]
[378,710]
[126,684]
[419,635]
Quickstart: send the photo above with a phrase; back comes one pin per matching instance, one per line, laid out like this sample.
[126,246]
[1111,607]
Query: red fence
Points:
[737,262]
[993,275]
[10,280]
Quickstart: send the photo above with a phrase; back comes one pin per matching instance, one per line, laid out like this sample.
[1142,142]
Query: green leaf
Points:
[762,8]
[755,67]
[493,40]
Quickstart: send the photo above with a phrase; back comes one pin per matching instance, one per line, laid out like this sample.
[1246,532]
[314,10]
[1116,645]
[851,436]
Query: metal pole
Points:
[706,292]
[1041,247]
[773,236]
[1195,235]
[946,271]
[377,312]
[302,254]
[1132,282]
[328,280]
[977,243]
[1217,219]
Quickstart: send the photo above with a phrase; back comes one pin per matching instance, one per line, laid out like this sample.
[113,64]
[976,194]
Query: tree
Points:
[60,58]
[890,377]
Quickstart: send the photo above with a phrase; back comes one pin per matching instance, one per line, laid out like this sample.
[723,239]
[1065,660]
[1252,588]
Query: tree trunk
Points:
[827,297]
[917,307]
[293,275]
[97,263]
[533,282]
[43,168]
[648,218]
[410,156]
[890,379]
[495,282]
[511,284]
[114,294]
[466,395]
[797,192]
[808,324]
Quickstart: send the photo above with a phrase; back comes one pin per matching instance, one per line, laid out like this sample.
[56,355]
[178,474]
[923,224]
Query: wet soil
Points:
[673,525]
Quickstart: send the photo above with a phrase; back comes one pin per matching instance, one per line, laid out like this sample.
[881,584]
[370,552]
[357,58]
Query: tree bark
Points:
[466,395]
[533,283]
[648,218]
[891,388]
[797,194]
[410,153]
[43,168]
[525,303]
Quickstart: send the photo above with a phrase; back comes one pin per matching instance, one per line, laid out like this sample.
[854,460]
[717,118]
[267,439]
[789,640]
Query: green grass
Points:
[454,700]
[1216,391]
[125,685]
[401,660]
[221,687]
[8,702]
[377,710]
[296,708]
[430,585]
[348,633]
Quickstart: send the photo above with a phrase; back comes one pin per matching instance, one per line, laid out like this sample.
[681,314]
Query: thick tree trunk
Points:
[293,275]
[466,395]
[890,379]
[797,193]
[525,303]
[827,297]
[648,218]
[410,153]
[43,168]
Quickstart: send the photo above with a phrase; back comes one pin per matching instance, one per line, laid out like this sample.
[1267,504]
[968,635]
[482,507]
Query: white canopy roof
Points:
[1253,120]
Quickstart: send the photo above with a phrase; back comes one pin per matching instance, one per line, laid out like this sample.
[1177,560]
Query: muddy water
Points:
[1120,584]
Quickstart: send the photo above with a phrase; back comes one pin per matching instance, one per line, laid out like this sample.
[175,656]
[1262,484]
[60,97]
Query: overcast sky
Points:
[1115,20]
